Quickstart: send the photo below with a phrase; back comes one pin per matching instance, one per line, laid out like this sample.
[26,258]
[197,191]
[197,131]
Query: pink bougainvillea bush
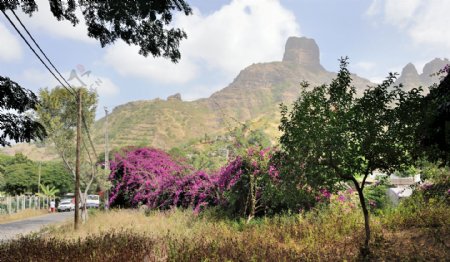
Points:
[250,184]
[147,176]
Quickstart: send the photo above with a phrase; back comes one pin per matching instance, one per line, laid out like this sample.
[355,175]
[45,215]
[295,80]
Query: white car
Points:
[66,205]
[93,201]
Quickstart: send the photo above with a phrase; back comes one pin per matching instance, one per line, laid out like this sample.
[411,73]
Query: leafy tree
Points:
[142,23]
[434,132]
[332,136]
[15,122]
[58,113]
[20,175]
[55,173]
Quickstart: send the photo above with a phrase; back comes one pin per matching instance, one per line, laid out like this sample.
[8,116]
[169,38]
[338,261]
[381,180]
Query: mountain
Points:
[254,95]
[410,78]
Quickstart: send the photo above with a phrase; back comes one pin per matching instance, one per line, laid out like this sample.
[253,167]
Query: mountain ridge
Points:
[253,95]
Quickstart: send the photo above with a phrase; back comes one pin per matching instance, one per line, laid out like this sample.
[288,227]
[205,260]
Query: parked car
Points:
[66,205]
[93,201]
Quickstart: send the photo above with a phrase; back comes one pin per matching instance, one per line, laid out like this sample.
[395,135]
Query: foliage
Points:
[142,23]
[434,172]
[48,191]
[248,183]
[143,176]
[331,135]
[434,132]
[16,123]
[20,175]
[427,207]
[152,177]
[376,198]
[58,113]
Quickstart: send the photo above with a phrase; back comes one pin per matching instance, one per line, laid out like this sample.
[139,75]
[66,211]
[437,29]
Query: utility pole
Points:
[106,198]
[77,164]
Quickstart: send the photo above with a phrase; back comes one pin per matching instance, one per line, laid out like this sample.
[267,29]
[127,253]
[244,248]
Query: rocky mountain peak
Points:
[302,51]
[431,68]
[409,76]
[409,69]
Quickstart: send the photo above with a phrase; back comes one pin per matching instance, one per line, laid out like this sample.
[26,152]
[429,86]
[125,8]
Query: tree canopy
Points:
[142,23]
[16,123]
[434,132]
[19,175]
[331,135]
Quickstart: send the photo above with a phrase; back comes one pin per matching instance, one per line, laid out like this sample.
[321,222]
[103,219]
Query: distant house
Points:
[395,194]
[402,187]
[404,181]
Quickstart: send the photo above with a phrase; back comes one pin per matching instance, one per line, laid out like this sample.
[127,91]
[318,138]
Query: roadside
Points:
[27,213]
[13,230]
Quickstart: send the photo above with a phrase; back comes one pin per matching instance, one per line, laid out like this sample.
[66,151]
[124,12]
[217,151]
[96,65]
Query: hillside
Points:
[254,94]
[253,97]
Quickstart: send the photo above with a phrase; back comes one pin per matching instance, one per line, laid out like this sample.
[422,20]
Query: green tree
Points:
[142,23]
[332,136]
[55,173]
[58,113]
[20,175]
[434,132]
[16,123]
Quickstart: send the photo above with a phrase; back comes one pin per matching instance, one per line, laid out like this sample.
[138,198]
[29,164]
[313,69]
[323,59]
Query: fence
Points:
[14,204]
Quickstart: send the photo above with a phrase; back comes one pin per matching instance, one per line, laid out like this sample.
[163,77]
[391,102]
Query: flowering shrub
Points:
[151,177]
[249,185]
[143,176]
[248,182]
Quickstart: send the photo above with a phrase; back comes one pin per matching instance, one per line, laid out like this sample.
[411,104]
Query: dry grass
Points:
[27,213]
[328,234]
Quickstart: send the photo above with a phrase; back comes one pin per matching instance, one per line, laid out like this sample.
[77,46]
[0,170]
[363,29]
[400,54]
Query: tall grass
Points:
[326,234]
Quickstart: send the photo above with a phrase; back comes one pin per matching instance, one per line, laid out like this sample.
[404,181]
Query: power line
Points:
[32,49]
[37,45]
[71,90]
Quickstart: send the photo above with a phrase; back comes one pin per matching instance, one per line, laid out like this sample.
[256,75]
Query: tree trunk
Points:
[365,249]
[252,198]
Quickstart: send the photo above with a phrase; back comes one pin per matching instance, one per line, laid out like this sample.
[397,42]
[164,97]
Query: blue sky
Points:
[224,37]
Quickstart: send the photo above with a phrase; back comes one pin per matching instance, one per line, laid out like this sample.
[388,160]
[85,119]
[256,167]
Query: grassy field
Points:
[327,234]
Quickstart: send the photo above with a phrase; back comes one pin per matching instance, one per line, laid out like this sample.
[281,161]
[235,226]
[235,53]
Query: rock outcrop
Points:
[409,77]
[175,97]
[428,76]
[302,51]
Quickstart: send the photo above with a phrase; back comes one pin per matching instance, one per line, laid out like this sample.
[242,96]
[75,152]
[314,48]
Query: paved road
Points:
[15,229]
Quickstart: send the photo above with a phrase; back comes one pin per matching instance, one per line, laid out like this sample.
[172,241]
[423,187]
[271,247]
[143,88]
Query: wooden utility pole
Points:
[77,164]
[106,197]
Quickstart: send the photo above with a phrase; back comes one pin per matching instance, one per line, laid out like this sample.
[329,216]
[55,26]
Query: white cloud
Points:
[365,65]
[238,34]
[40,79]
[126,61]
[10,48]
[43,20]
[425,21]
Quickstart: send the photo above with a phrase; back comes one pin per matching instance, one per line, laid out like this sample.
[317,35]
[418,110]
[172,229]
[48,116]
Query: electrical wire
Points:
[71,90]
[34,51]
[43,53]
